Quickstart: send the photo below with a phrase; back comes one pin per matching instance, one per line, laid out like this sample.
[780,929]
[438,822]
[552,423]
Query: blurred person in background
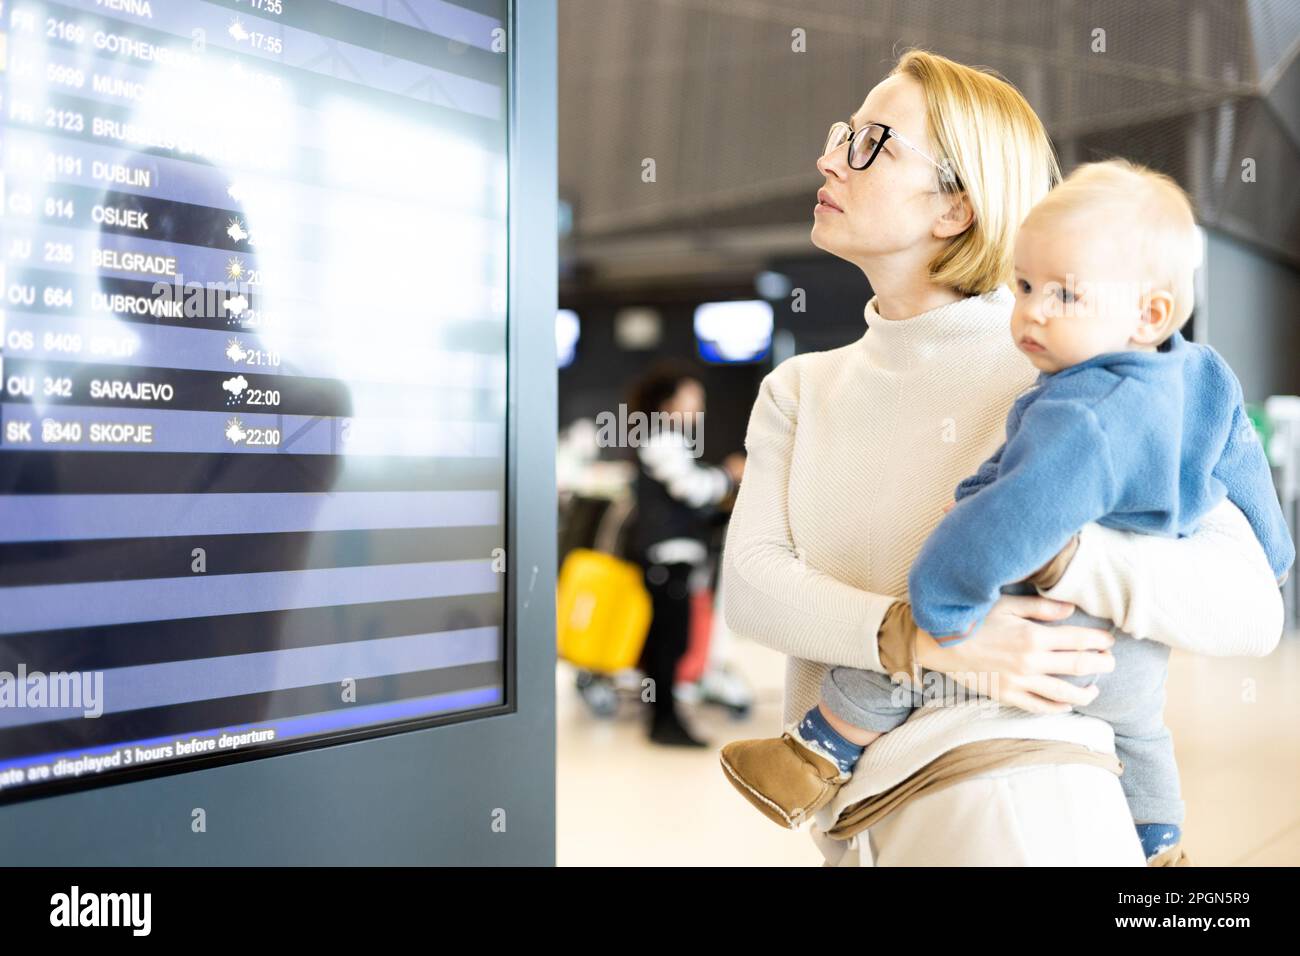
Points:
[678,497]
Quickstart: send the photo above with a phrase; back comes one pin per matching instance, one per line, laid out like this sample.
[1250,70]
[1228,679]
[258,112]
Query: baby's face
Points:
[1076,297]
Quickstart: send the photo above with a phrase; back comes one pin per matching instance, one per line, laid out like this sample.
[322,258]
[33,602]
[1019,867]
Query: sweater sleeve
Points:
[1056,476]
[1212,592]
[771,595]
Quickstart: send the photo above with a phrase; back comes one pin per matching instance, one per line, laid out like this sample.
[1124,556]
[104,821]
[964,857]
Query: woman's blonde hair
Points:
[1001,156]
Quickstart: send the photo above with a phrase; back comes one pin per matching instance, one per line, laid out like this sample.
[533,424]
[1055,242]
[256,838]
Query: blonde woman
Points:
[853,454]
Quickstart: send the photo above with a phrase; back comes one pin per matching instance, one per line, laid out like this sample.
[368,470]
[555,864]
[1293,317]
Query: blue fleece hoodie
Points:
[1139,441]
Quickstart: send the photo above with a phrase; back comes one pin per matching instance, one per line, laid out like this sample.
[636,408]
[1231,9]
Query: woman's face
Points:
[892,205]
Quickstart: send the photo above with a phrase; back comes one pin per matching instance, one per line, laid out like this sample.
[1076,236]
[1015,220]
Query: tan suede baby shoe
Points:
[782,777]
[1174,856]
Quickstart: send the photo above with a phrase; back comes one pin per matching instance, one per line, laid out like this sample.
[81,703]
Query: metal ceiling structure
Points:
[715,93]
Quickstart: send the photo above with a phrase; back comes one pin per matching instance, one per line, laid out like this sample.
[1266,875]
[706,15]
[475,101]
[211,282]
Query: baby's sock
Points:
[1158,837]
[815,730]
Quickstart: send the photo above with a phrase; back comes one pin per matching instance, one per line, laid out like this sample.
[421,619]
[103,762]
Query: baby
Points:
[1128,425]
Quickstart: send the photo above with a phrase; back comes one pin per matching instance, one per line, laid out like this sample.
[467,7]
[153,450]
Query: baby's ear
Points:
[1156,318]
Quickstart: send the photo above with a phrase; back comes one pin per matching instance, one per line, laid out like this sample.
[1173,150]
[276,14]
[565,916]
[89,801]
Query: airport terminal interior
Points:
[1187,89]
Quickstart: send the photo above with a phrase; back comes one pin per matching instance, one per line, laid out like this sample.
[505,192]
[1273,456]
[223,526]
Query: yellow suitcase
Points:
[603,610]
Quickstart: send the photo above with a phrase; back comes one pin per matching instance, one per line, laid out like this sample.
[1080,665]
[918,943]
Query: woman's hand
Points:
[1012,657]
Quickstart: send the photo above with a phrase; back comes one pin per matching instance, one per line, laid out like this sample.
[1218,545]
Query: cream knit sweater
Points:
[853,453]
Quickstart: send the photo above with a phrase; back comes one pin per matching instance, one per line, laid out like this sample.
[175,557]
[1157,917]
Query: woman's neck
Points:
[907,293]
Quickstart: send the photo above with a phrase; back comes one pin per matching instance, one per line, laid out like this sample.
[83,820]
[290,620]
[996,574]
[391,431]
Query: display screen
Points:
[731,332]
[253,354]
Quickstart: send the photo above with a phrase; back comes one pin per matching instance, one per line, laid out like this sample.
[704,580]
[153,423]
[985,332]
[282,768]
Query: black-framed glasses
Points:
[865,145]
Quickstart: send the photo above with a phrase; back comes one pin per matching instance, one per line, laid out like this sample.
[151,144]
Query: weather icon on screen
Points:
[236,305]
[234,268]
[235,386]
[237,30]
[236,352]
[236,231]
[235,431]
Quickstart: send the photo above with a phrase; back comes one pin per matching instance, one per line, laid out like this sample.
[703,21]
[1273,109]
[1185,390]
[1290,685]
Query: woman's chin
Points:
[818,235]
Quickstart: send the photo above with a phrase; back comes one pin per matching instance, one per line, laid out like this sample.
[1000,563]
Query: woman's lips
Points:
[824,203]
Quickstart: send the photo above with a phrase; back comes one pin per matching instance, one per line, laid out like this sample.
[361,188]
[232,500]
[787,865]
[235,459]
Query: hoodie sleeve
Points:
[984,475]
[988,470]
[1056,475]
[1244,470]
[1211,592]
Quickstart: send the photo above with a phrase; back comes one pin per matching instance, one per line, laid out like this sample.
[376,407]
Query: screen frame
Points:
[187,764]
[289,796]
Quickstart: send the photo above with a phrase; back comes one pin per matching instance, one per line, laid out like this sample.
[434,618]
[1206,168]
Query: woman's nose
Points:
[831,164]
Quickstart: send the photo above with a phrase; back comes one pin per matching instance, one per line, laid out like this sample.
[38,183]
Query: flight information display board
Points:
[252,378]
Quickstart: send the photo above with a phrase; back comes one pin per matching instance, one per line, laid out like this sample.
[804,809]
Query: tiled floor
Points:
[1236,726]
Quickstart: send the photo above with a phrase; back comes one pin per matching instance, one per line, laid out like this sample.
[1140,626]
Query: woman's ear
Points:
[956,219]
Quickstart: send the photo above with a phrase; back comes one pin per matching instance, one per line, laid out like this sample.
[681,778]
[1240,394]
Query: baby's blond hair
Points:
[1141,210]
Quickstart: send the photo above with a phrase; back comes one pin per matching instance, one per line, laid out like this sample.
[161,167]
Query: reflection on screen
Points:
[252,359]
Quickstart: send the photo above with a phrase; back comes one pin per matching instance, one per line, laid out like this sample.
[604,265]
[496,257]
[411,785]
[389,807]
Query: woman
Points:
[676,495]
[853,454]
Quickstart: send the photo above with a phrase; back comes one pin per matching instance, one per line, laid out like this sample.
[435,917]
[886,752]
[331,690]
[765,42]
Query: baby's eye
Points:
[1066,295]
[1022,286]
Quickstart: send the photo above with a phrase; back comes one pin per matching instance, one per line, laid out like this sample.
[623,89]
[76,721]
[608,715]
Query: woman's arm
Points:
[1212,592]
[771,595]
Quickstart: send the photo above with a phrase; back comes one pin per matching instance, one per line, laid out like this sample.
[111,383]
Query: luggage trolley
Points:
[603,617]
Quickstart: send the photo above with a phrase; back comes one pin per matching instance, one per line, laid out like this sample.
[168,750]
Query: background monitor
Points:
[730,332]
[568,330]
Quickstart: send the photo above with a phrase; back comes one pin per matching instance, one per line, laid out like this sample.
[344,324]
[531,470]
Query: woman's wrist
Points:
[906,649]
[927,651]
[897,642]
[1050,574]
